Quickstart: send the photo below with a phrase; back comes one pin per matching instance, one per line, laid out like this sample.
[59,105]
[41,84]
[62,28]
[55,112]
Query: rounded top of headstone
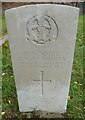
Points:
[37,5]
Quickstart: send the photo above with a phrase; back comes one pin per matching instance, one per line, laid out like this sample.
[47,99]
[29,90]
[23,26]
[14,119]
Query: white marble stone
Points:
[42,40]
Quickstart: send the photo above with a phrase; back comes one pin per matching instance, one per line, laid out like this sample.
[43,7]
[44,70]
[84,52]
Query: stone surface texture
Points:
[42,40]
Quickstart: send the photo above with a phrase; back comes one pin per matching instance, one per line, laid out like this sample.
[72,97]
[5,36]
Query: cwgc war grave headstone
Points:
[42,40]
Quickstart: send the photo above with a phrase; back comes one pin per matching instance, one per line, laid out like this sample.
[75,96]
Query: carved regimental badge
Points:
[41,29]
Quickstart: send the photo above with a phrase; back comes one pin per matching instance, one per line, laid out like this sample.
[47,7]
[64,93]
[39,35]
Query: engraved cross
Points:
[41,81]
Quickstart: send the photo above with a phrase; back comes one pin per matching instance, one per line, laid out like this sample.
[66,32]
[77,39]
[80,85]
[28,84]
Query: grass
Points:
[75,101]
[3,29]
[75,104]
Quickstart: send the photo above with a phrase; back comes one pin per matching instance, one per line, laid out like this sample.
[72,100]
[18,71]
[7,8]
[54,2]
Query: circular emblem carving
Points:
[41,29]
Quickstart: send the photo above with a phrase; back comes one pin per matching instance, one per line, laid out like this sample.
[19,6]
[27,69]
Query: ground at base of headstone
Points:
[44,114]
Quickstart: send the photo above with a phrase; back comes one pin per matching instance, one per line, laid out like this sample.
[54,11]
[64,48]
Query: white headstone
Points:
[42,39]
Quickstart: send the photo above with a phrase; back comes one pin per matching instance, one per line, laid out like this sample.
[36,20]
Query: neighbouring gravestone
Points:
[42,39]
